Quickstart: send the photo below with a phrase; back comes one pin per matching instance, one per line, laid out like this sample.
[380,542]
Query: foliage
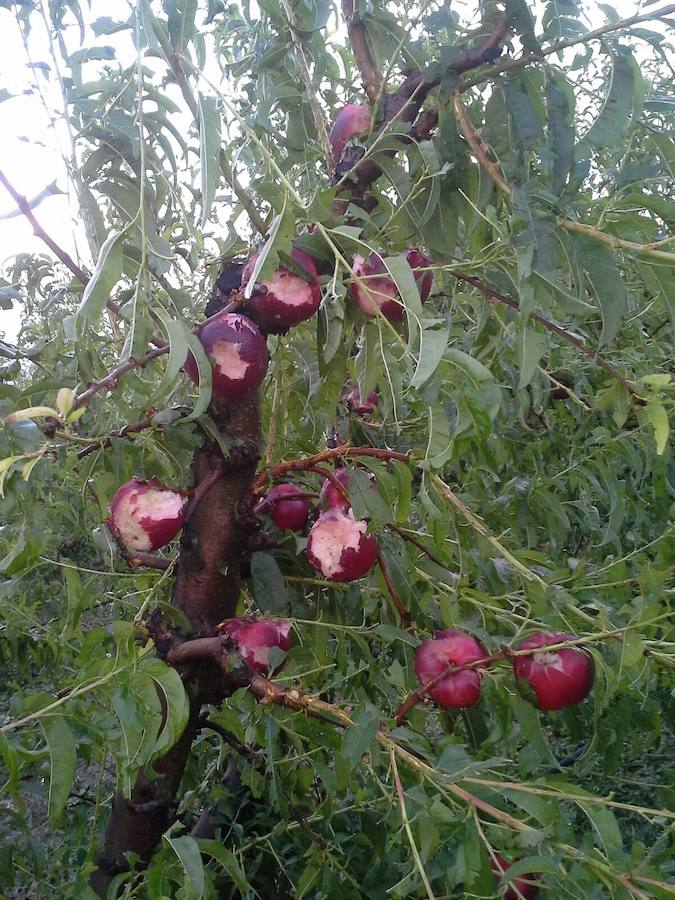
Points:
[549,183]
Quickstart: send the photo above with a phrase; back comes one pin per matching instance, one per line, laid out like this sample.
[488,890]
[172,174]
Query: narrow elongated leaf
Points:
[433,342]
[209,152]
[605,281]
[62,758]
[359,736]
[532,345]
[104,277]
[622,105]
[186,849]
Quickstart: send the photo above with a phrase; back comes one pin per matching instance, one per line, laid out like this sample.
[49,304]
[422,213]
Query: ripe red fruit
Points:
[381,292]
[286,299]
[365,408]
[330,497]
[255,638]
[559,678]
[238,353]
[520,887]
[338,546]
[288,508]
[145,515]
[458,689]
[353,119]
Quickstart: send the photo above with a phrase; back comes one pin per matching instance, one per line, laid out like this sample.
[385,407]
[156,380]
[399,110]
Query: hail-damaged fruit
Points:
[238,354]
[338,546]
[377,290]
[288,507]
[558,678]
[457,689]
[256,637]
[145,515]
[521,888]
[332,498]
[286,299]
[362,407]
[353,120]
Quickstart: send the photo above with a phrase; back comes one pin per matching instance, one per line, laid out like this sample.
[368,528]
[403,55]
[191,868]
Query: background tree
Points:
[473,425]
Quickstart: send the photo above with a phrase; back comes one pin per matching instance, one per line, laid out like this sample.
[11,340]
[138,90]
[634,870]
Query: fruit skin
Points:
[353,119]
[529,891]
[382,292]
[146,515]
[559,678]
[255,638]
[338,546]
[362,408]
[330,497]
[238,354]
[458,690]
[288,508]
[286,299]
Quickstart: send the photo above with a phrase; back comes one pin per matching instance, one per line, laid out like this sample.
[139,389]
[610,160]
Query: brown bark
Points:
[207,589]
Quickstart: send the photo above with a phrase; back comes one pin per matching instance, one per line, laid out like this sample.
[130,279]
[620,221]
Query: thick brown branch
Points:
[364,60]
[492,294]
[511,65]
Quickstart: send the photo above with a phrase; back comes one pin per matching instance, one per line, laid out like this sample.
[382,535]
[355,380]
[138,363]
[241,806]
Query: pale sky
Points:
[32,149]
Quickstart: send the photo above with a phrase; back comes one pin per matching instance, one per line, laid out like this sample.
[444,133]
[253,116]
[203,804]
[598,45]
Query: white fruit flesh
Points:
[289,289]
[226,356]
[332,537]
[141,504]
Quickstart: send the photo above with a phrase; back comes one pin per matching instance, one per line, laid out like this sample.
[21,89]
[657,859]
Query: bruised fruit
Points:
[286,299]
[256,637]
[330,497]
[457,689]
[520,887]
[377,290]
[238,354]
[353,120]
[362,408]
[338,546]
[145,515]
[288,507]
[558,678]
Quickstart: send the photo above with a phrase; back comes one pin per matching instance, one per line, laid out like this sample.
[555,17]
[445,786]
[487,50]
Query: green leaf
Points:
[622,104]
[179,336]
[174,703]
[186,849]
[62,760]
[532,345]
[433,343]
[205,374]
[269,587]
[229,862]
[358,737]
[655,413]
[605,280]
[209,152]
[105,276]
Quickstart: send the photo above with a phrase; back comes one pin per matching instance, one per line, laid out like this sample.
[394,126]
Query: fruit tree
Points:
[337,490]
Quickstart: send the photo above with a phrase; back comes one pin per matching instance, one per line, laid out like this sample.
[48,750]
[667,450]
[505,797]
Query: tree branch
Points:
[473,140]
[364,61]
[331,453]
[492,294]
[512,65]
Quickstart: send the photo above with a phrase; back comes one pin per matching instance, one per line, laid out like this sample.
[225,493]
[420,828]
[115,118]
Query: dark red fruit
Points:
[352,120]
[381,292]
[255,638]
[459,689]
[145,515]
[338,546]
[365,408]
[238,353]
[558,678]
[330,497]
[286,299]
[559,393]
[519,887]
[288,508]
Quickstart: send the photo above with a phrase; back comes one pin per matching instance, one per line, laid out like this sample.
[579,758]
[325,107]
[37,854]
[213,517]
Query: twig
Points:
[39,232]
[105,439]
[308,462]
[111,379]
[242,749]
[364,61]
[406,618]
[200,490]
[492,294]
[480,152]
[511,65]
[136,558]
[615,242]
[420,546]
[406,825]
